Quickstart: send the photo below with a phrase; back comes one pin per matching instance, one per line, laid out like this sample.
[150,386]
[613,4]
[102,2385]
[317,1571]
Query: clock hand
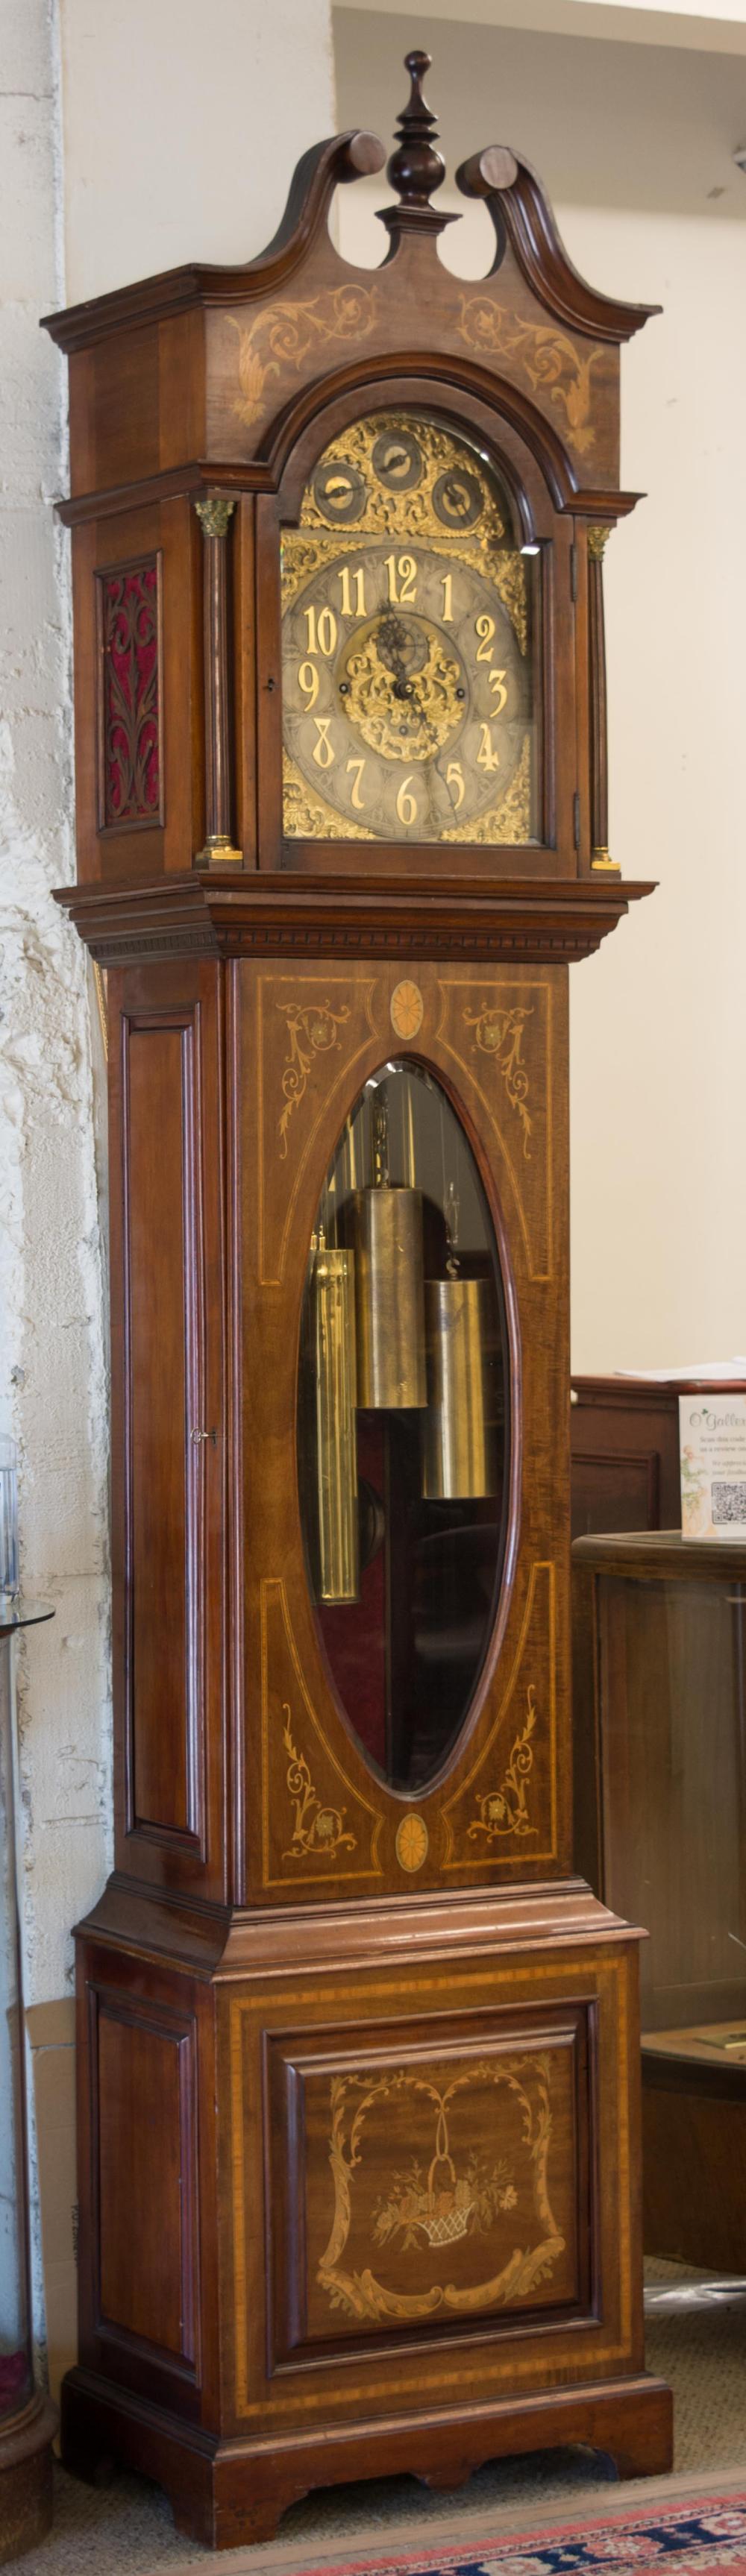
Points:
[391,634]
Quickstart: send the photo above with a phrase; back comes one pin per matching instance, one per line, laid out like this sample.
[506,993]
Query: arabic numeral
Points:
[402,568]
[308,681]
[321,627]
[346,579]
[356,798]
[497,682]
[323,749]
[486,757]
[406,803]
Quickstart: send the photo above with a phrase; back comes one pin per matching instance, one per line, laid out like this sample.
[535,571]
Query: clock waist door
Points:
[404,1480]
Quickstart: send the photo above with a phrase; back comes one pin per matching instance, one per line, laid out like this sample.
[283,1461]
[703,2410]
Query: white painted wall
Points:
[52,1389]
[182,128]
[658,1024]
[657,1019]
[705,26]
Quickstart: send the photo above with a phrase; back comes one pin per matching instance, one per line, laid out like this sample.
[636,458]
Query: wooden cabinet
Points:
[625,1455]
[359,2105]
[659,1736]
[625,1451]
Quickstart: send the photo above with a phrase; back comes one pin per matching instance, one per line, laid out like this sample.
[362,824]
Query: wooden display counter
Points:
[660,1812]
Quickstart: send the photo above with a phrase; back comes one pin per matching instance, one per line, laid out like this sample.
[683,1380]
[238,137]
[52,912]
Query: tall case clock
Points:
[358,2055]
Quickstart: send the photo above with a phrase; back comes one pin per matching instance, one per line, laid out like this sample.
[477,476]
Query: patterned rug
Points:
[687,2538]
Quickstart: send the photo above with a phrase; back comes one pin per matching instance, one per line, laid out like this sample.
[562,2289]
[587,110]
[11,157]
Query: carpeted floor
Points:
[696,2338]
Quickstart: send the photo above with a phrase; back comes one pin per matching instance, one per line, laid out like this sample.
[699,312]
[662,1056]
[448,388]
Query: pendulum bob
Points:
[391,1371]
[460,1436]
[333,1308]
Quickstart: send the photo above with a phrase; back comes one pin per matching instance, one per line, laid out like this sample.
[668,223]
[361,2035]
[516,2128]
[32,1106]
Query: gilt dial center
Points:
[402,686]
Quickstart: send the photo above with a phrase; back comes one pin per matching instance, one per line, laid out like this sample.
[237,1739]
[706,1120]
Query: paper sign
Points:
[712,1448]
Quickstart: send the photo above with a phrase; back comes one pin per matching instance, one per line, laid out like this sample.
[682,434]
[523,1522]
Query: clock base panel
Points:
[231,2494]
[410,2263]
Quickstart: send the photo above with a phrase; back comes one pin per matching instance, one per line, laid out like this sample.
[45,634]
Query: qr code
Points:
[728,1503]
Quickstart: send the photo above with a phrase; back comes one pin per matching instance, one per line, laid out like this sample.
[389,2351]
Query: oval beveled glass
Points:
[404,1424]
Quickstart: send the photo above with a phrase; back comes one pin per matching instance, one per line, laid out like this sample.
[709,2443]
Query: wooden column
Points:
[599,781]
[214,515]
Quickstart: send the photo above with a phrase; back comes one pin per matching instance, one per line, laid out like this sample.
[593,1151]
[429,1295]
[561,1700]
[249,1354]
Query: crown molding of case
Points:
[513,192]
[270,915]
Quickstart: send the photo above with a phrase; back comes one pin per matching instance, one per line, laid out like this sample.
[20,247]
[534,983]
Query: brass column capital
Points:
[214,514]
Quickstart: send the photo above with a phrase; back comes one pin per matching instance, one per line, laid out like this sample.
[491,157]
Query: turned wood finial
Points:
[415,169]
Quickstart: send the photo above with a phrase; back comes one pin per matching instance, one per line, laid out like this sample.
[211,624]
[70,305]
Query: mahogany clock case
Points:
[358,2055]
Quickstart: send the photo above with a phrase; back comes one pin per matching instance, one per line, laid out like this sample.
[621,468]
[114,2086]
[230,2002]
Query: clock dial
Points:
[407,665]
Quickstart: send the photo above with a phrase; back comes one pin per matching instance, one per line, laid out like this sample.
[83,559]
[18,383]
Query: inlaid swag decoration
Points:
[436,2207]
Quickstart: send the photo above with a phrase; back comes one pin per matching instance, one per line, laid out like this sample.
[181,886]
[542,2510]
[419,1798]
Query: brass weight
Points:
[391,1371]
[333,1307]
[460,1438]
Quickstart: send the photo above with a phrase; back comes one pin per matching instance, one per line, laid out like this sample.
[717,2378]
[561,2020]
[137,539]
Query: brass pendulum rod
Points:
[600,854]
[333,1309]
[408,1144]
[214,515]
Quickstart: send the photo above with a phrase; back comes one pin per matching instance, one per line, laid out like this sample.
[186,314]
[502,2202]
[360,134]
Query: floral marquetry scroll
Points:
[316,1828]
[314,1825]
[504,1809]
[572,381]
[311,1030]
[277,344]
[130,748]
[309,1038]
[556,369]
[498,1030]
[499,1033]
